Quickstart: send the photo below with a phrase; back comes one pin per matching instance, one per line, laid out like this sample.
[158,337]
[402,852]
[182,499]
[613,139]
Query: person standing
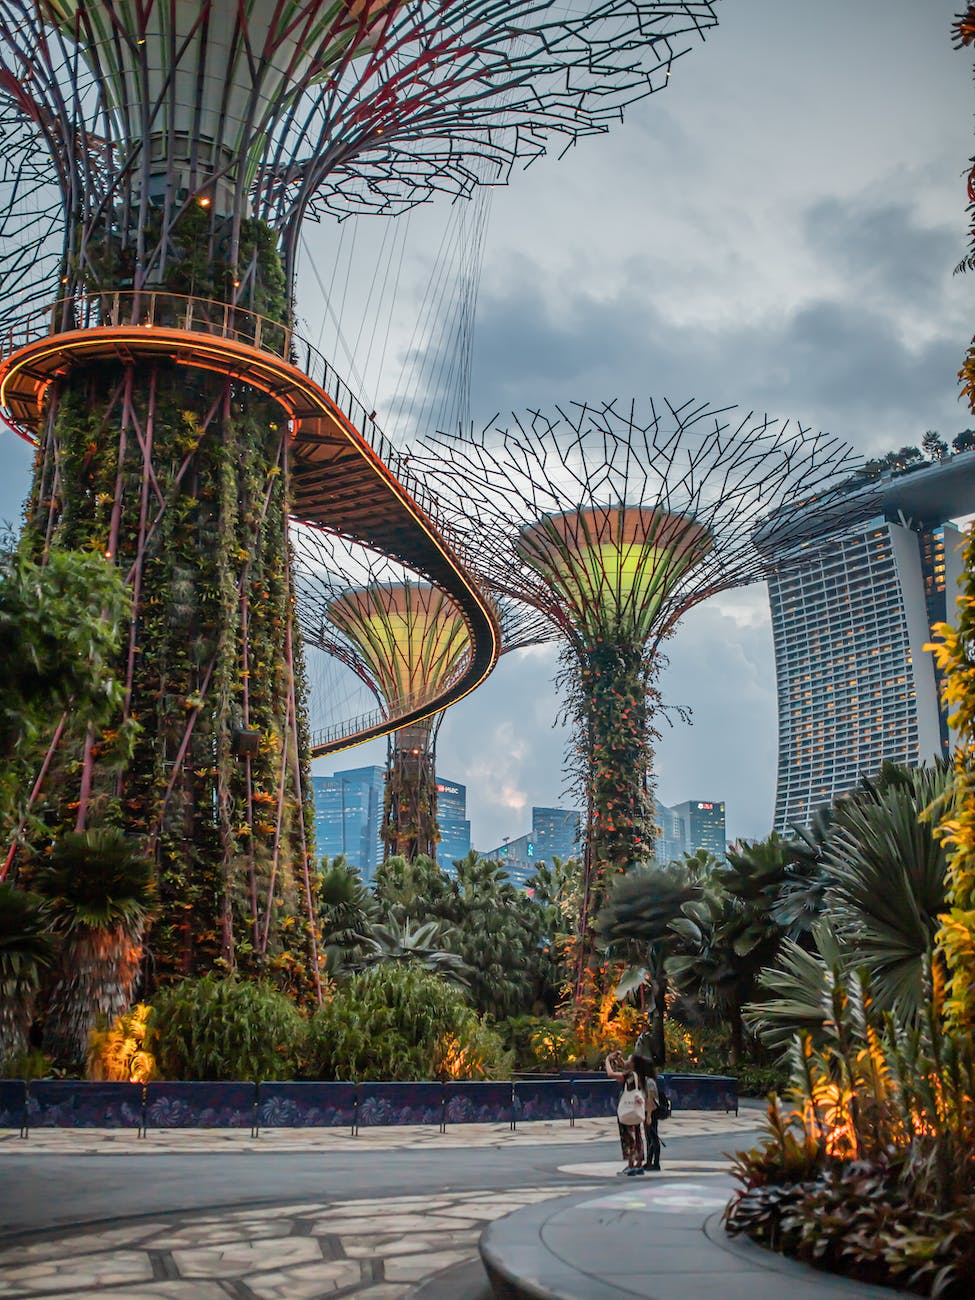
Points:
[646,1074]
[631,1112]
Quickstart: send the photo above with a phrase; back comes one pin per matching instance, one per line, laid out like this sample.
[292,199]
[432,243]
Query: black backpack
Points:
[664,1108]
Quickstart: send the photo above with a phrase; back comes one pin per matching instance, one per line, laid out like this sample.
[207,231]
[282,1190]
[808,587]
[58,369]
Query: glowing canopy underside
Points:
[613,566]
[411,640]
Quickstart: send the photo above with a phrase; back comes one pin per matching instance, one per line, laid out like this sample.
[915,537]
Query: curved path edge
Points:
[648,1239]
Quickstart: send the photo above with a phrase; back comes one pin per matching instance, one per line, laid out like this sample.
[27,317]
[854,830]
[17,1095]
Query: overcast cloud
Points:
[776,230]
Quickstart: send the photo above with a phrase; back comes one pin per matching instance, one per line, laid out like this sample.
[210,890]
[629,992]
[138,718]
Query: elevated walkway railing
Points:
[151,309]
[398,708]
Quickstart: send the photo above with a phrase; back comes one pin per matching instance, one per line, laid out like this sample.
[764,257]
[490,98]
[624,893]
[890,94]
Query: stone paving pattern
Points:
[426,1137]
[377,1249]
[373,1248]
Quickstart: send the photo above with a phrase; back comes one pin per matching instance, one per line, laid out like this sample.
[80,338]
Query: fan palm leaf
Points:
[799,990]
[886,871]
[100,889]
[26,951]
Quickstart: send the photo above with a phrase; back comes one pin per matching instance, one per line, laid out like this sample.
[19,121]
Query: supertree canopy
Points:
[179,423]
[409,638]
[408,642]
[612,521]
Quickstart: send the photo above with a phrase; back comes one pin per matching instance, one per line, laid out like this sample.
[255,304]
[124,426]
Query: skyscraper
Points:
[455,829]
[703,825]
[556,832]
[517,857]
[671,839]
[857,588]
[348,817]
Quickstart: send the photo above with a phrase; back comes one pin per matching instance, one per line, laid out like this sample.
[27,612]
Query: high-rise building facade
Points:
[703,825]
[517,857]
[557,833]
[671,841]
[857,586]
[349,816]
[455,829]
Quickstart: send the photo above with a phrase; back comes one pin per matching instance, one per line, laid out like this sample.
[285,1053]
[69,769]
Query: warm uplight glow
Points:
[203,201]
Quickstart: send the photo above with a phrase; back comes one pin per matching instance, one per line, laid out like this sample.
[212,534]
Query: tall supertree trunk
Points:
[613,735]
[410,822]
[179,476]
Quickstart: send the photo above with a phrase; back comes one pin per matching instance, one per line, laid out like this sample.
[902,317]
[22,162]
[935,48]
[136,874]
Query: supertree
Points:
[613,521]
[408,642]
[178,422]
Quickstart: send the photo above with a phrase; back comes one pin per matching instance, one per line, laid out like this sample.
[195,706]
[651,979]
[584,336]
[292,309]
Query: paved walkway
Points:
[405,1138]
[648,1240]
[380,1248]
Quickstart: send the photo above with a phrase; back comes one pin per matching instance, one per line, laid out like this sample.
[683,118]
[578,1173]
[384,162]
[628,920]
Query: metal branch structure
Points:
[408,642]
[180,425]
[613,521]
[275,110]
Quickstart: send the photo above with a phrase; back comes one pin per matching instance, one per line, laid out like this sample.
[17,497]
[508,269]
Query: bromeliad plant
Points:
[871,1172]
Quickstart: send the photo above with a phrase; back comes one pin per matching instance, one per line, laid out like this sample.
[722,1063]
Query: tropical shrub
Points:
[219,1027]
[539,1043]
[872,1172]
[118,1054]
[397,1021]
[26,951]
[474,1051]
[60,626]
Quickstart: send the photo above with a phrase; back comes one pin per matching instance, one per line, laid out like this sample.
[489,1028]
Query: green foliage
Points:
[636,926]
[883,868]
[26,951]
[421,945]
[953,652]
[756,1080]
[886,869]
[347,910]
[98,879]
[494,930]
[401,1022]
[60,629]
[540,1043]
[417,889]
[872,1173]
[397,1021]
[99,885]
[224,1028]
[31,1063]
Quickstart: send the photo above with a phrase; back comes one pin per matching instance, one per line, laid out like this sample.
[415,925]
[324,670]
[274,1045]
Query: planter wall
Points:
[58,1103]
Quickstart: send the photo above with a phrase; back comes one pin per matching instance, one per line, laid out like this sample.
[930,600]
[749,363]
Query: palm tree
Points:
[495,930]
[100,888]
[887,869]
[635,924]
[26,951]
[884,872]
[797,992]
[348,909]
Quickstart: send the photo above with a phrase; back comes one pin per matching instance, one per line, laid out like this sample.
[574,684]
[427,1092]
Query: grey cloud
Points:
[885,250]
[838,362]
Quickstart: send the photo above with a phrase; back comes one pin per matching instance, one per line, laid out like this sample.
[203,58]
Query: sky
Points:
[777,230]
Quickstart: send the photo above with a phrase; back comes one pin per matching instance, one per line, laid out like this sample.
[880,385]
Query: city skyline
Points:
[457,794]
[792,252]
